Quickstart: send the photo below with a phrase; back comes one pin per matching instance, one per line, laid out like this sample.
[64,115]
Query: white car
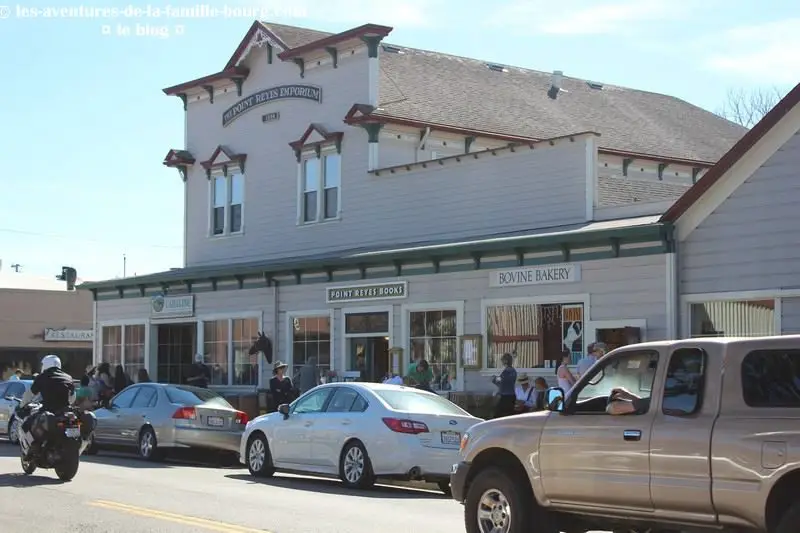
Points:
[359,432]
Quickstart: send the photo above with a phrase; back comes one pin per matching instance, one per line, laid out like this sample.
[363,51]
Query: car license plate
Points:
[72,432]
[451,437]
[216,421]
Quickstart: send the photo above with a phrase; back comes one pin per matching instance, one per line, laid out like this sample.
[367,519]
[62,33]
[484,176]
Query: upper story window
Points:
[225,172]
[321,184]
[319,179]
[227,200]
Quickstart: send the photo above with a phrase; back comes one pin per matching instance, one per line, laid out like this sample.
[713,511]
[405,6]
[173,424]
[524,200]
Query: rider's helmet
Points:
[50,361]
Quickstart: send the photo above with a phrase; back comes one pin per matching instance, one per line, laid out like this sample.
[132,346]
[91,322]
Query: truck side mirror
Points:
[555,399]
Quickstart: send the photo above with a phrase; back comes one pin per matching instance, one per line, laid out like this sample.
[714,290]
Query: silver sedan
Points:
[154,417]
[10,393]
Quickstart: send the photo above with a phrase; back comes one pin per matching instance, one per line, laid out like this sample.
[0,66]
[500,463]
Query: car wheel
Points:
[148,446]
[259,459]
[444,486]
[93,447]
[790,521]
[355,468]
[495,504]
[13,431]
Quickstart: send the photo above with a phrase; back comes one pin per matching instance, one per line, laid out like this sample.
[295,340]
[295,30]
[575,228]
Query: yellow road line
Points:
[212,525]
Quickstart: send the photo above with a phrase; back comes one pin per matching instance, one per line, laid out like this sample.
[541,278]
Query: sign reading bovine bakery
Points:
[515,277]
[378,291]
[68,335]
[304,92]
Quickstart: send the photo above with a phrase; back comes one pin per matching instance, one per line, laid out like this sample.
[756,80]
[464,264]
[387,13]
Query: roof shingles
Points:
[454,91]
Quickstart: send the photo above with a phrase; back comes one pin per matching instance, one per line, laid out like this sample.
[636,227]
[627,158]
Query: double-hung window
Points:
[227,202]
[320,181]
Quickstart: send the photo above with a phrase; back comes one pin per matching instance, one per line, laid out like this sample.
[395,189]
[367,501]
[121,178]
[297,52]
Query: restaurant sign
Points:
[68,335]
[172,306]
[514,277]
[359,293]
[281,92]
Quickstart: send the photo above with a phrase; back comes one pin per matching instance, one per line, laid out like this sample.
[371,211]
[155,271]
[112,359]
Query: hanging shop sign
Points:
[281,92]
[172,306]
[360,293]
[514,277]
[68,335]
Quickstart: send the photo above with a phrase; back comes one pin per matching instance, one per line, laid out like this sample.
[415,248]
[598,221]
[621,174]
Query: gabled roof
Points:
[223,156]
[177,157]
[425,87]
[316,135]
[734,155]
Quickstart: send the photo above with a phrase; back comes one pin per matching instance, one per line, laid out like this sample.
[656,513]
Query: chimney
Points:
[555,84]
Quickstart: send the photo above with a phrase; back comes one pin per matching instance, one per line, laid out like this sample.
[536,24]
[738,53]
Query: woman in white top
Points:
[565,378]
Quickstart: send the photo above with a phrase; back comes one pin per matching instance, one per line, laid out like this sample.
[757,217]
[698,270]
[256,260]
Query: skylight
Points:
[496,67]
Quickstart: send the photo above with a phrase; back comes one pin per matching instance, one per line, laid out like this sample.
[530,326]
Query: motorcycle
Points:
[61,438]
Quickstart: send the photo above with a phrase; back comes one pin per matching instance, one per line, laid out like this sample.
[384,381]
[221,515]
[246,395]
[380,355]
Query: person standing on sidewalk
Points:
[506,385]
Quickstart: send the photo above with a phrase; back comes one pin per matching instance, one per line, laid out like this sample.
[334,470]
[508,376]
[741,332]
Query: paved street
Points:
[114,493]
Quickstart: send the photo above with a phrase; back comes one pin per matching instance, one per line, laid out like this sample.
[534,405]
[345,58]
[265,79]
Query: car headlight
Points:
[464,442]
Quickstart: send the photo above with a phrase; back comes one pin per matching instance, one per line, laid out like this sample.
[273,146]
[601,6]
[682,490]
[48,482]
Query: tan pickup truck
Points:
[700,434]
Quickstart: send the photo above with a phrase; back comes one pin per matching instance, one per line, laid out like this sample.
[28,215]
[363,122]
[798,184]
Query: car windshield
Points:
[417,402]
[192,396]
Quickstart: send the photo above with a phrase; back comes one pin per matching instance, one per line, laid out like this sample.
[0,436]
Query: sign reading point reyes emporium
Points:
[281,92]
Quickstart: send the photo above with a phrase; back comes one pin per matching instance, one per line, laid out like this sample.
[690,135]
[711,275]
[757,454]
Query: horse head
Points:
[262,344]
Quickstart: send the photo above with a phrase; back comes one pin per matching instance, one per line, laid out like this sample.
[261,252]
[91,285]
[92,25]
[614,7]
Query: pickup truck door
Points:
[590,459]
[680,466]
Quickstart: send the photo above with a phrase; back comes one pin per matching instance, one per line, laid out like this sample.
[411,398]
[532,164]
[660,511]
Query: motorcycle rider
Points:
[57,391]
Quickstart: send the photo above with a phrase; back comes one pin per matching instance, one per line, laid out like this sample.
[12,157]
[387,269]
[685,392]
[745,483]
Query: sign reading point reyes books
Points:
[392,290]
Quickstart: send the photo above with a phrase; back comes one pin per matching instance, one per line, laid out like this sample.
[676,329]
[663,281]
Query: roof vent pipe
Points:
[555,84]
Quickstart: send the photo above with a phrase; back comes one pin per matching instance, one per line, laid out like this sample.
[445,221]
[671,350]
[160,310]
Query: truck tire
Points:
[495,502]
[790,521]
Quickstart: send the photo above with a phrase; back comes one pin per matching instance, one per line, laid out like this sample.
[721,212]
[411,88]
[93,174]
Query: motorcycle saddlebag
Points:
[43,425]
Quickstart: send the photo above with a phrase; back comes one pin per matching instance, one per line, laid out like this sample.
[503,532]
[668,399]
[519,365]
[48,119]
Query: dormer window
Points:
[225,171]
[319,179]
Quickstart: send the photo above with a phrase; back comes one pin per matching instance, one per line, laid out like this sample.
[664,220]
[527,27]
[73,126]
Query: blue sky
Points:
[85,125]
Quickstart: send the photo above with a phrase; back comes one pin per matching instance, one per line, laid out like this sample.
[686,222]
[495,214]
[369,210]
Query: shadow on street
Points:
[37,479]
[123,458]
[332,486]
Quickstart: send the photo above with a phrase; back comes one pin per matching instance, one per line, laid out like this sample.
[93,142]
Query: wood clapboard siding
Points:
[750,242]
[790,316]
[526,190]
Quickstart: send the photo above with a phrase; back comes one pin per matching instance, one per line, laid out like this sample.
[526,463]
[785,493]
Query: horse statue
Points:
[262,344]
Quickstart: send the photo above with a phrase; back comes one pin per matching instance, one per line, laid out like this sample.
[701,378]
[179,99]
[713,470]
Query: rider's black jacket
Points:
[55,386]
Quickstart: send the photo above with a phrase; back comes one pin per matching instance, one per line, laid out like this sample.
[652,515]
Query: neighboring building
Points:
[739,250]
[39,316]
[364,203]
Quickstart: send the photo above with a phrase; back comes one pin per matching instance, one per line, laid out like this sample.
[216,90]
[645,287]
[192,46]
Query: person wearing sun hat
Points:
[280,386]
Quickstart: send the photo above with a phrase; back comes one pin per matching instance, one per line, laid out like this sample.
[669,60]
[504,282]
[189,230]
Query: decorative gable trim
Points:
[315,137]
[257,36]
[223,158]
[358,113]
[180,159]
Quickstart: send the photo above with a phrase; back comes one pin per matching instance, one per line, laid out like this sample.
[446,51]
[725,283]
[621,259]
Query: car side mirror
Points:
[555,399]
[284,410]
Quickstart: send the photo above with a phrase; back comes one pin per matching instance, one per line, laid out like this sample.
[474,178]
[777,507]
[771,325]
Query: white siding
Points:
[750,242]
[790,316]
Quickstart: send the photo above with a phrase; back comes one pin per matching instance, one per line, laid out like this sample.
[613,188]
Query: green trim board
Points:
[478,251]
[655,249]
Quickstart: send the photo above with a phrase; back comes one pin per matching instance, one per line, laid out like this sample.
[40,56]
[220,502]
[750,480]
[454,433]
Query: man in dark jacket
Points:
[56,389]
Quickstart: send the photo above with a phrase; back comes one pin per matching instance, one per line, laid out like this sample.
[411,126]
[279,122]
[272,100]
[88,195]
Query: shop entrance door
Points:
[177,344]
[370,356]
[367,341]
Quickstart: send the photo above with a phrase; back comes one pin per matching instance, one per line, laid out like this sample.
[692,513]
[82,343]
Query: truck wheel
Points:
[495,503]
[790,521]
